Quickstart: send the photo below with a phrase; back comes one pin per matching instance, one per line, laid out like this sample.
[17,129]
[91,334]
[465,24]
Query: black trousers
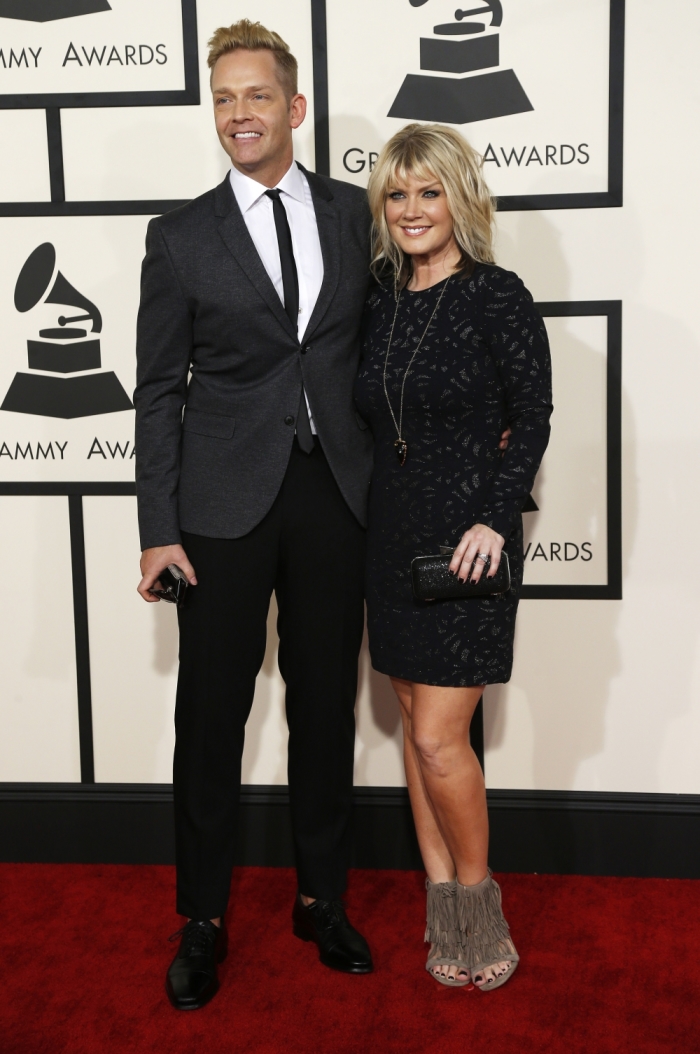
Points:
[310,550]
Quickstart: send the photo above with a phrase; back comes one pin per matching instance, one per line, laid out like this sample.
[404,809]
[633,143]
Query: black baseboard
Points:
[555,832]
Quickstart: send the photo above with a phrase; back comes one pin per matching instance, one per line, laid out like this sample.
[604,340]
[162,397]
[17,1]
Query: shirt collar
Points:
[248,191]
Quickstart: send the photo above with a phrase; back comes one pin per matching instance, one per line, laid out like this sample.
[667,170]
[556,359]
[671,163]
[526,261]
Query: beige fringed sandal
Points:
[484,933]
[442,932]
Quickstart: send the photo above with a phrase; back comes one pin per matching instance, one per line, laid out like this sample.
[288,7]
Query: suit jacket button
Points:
[306,347]
[289,420]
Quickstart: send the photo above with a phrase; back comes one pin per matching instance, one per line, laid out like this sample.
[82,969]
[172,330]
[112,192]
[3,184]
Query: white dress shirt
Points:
[256,208]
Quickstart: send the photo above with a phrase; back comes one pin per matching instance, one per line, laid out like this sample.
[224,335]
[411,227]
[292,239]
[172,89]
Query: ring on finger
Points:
[482,556]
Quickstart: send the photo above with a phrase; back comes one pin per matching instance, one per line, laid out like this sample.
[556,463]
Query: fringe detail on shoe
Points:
[484,931]
[442,928]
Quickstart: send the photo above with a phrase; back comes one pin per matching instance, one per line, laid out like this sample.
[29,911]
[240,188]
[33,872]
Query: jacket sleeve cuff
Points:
[158,526]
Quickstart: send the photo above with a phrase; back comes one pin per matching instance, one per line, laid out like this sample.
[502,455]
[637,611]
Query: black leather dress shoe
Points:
[192,980]
[340,945]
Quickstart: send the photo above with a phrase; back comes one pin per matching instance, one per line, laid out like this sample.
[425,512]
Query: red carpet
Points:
[609,966]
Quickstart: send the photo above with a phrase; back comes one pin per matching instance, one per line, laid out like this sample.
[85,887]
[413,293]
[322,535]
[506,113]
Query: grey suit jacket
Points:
[212,447]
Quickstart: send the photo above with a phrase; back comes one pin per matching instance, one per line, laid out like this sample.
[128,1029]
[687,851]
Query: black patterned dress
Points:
[483,365]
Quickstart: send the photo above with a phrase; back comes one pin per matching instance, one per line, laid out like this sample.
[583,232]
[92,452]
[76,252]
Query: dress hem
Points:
[420,678]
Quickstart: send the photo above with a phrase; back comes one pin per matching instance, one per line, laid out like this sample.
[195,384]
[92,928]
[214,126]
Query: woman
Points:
[454,353]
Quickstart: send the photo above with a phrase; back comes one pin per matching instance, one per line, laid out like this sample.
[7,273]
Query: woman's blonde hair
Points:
[432,151]
[255,37]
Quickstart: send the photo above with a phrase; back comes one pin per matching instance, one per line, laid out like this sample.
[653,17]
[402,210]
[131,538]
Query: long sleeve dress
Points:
[484,364]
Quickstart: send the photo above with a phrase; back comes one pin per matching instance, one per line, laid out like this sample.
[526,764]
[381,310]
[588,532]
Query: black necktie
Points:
[290,286]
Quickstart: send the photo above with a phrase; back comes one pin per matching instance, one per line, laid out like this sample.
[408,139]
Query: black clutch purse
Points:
[432,579]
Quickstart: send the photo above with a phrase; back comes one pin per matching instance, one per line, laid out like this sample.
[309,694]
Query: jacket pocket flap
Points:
[214,425]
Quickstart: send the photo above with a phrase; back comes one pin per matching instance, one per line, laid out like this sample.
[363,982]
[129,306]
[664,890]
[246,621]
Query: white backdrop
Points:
[605,695]
[565,539]
[130,47]
[544,42]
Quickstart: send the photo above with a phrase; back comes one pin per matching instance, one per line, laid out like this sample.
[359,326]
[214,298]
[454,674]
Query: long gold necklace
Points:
[400,444]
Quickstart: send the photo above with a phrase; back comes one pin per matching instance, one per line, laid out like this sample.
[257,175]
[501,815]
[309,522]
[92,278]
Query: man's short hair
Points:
[255,37]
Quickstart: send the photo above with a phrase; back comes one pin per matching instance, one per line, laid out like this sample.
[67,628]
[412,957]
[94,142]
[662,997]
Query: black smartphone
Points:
[174,585]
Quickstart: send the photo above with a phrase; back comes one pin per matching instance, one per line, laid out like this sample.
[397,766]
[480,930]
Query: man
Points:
[252,474]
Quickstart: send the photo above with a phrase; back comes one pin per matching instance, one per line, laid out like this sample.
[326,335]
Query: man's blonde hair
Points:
[255,37]
[433,151]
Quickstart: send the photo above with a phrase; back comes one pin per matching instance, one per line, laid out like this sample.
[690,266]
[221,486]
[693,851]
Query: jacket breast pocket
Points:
[215,425]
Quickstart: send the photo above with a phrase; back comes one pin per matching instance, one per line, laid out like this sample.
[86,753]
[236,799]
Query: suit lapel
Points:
[238,241]
[328,222]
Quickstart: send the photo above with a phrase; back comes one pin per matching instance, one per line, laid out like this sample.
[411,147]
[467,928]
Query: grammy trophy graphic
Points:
[64,350]
[457,47]
[50,10]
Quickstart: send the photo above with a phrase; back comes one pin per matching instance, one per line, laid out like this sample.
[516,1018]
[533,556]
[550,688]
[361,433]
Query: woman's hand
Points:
[479,541]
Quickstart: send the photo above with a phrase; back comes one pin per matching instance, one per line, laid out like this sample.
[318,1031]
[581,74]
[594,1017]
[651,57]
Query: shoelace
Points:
[329,912]
[198,940]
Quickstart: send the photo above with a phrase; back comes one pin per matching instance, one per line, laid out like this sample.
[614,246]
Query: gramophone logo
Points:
[457,47]
[82,388]
[50,10]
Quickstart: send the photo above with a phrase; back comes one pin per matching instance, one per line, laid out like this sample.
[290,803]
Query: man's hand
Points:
[503,445]
[153,561]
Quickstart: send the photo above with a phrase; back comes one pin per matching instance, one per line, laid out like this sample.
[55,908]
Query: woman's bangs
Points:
[410,167]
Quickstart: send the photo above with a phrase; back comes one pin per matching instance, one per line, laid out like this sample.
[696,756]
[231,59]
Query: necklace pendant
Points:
[401,447]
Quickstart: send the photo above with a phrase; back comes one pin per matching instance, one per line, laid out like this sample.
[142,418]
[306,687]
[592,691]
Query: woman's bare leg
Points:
[446,786]
[437,859]
[451,773]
